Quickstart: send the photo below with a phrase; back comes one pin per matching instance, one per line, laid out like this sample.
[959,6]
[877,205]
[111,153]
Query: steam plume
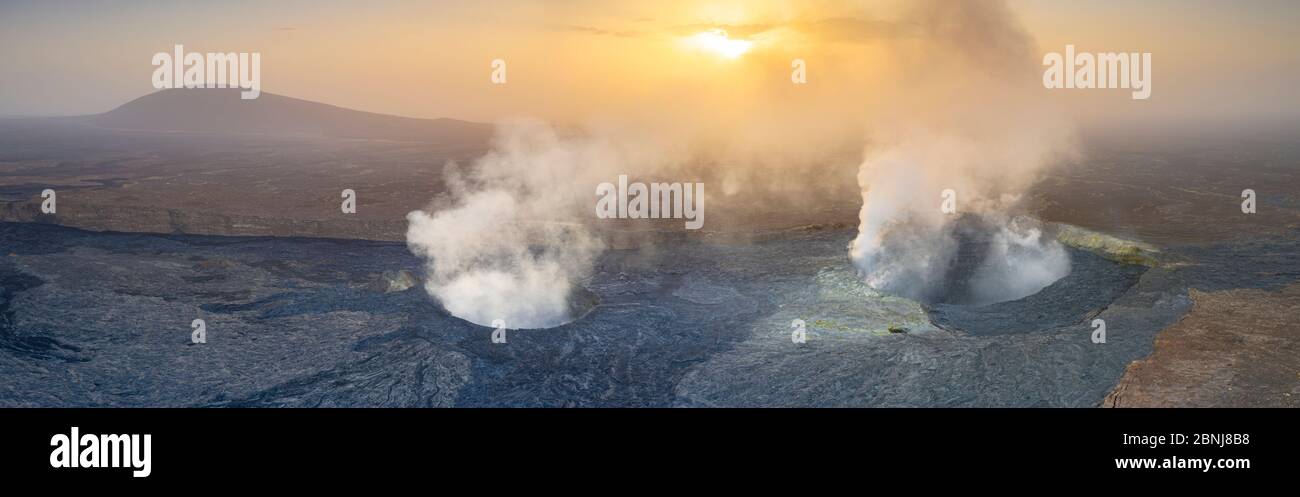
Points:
[951,106]
[501,244]
[974,127]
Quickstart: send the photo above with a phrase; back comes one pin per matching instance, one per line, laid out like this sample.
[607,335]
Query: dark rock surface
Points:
[1093,283]
[103,319]
[1236,348]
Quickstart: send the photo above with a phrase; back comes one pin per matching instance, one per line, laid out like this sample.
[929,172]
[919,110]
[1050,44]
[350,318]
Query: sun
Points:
[717,42]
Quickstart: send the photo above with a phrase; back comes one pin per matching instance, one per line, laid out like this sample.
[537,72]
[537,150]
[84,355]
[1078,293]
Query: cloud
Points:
[833,29]
[591,30]
[854,30]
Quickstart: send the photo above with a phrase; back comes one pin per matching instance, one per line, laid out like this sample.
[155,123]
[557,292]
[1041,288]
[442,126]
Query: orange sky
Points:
[573,61]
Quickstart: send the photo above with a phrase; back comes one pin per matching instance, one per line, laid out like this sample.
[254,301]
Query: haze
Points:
[578,61]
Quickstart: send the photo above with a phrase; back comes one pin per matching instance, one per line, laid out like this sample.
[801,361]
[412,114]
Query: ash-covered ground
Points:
[103,319]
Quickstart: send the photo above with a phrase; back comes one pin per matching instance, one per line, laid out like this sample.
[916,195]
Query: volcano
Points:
[221,110]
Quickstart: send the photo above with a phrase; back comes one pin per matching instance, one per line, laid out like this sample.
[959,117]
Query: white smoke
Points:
[971,125]
[514,236]
[1019,263]
[501,244]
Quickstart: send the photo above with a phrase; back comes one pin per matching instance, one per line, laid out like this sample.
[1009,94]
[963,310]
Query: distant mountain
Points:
[221,110]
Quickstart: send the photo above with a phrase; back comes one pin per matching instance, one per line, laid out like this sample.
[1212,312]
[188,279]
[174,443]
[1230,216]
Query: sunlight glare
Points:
[717,42]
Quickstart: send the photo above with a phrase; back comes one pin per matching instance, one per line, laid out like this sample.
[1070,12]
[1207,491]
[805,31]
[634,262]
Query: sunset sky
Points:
[580,60]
